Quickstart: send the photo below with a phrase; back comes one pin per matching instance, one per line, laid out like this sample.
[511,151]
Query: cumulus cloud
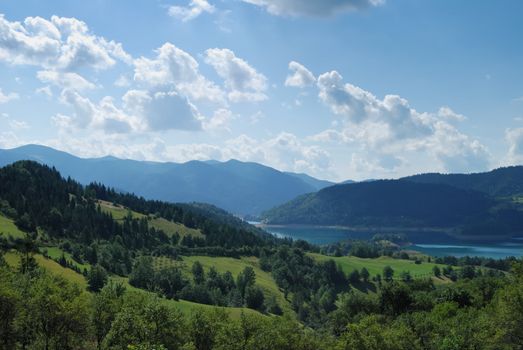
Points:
[220,120]
[391,126]
[514,138]
[4,98]
[193,10]
[285,151]
[448,113]
[300,77]
[174,67]
[104,115]
[316,8]
[243,82]
[65,80]
[163,110]
[58,43]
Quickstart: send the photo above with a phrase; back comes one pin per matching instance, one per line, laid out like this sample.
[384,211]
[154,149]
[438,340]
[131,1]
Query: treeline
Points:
[212,288]
[397,203]
[219,227]
[41,311]
[37,198]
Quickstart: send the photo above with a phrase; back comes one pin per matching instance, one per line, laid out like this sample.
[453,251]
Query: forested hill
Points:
[502,182]
[36,196]
[243,188]
[394,203]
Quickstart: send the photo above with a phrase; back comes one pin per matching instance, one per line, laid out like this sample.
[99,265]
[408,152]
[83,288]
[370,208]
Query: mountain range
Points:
[242,188]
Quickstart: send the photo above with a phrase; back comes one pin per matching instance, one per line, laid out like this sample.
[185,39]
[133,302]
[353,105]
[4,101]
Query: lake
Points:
[432,243]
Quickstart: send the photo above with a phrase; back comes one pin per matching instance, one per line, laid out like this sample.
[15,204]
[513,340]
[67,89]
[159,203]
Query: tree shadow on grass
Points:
[365,287]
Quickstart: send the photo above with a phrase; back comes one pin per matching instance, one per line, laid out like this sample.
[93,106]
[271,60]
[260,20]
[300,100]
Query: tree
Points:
[96,278]
[354,276]
[405,276]
[395,298]
[365,275]
[467,272]
[388,273]
[436,270]
[198,273]
[245,279]
[254,297]
[142,275]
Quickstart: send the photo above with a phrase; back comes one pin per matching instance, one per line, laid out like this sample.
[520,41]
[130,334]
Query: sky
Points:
[337,89]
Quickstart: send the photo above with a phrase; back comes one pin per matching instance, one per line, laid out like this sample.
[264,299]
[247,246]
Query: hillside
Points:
[398,203]
[111,270]
[239,187]
[502,182]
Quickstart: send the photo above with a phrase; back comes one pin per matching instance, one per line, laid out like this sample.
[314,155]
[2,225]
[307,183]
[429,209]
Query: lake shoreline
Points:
[452,232]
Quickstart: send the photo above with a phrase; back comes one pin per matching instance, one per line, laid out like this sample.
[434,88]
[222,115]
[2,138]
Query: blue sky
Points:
[337,89]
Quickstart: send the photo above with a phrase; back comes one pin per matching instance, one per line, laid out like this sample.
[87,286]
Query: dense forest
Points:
[401,203]
[129,301]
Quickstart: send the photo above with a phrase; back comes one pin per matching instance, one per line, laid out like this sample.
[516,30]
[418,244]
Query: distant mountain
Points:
[399,203]
[316,183]
[500,182]
[239,187]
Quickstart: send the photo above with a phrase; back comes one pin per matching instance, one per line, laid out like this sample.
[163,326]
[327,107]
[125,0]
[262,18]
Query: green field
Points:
[13,259]
[7,227]
[118,212]
[188,307]
[375,266]
[235,266]
[169,227]
[56,253]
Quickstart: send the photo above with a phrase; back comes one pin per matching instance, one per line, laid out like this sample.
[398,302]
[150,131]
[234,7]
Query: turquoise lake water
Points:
[431,243]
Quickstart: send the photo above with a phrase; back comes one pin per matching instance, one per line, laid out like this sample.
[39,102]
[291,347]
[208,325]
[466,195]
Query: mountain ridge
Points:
[244,188]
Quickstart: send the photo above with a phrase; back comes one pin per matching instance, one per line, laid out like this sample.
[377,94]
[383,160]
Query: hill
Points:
[399,203]
[239,187]
[502,182]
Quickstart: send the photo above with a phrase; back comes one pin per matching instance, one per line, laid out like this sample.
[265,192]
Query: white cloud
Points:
[220,120]
[313,7]
[391,126]
[99,116]
[300,77]
[163,110]
[193,10]
[122,81]
[447,113]
[514,138]
[18,124]
[4,98]
[242,80]
[285,151]
[46,90]
[176,68]
[59,43]
[65,80]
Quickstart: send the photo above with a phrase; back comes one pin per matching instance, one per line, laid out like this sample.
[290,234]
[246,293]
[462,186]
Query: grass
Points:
[188,307]
[13,260]
[56,253]
[375,266]
[169,227]
[118,212]
[235,266]
[8,227]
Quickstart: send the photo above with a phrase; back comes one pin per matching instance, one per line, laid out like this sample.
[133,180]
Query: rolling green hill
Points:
[8,228]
